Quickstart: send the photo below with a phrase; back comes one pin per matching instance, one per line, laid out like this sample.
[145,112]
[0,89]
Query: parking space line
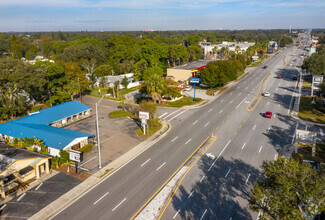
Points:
[176,213]
[21,196]
[203,214]
[38,186]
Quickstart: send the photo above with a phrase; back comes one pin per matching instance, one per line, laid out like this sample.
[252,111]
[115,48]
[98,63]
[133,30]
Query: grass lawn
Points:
[122,113]
[309,112]
[152,130]
[305,153]
[306,84]
[182,102]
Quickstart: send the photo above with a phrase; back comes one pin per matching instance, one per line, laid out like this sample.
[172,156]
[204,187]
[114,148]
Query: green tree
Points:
[154,86]
[194,53]
[171,90]
[15,50]
[288,189]
[152,71]
[125,82]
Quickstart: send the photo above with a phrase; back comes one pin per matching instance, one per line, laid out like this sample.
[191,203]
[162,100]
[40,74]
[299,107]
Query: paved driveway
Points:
[116,135]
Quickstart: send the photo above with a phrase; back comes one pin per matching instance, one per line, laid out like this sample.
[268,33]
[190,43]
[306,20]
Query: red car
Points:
[295,78]
[278,77]
[268,115]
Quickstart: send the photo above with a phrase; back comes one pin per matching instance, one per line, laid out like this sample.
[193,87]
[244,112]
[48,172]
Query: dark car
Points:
[268,115]
[295,78]
[264,67]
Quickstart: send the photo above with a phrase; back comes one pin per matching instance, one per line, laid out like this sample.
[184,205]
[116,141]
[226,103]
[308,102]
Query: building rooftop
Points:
[37,125]
[192,65]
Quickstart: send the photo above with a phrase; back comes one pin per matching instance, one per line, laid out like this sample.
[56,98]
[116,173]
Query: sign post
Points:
[76,156]
[144,116]
[194,80]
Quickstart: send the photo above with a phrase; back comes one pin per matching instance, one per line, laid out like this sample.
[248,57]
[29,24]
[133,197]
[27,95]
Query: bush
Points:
[36,108]
[86,148]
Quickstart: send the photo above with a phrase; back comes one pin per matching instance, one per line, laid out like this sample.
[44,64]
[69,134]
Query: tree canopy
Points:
[288,189]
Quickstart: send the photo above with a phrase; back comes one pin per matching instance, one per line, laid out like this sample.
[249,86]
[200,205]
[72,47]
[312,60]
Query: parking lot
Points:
[116,135]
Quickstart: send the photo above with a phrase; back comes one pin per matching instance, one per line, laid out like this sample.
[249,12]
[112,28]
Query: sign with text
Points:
[144,115]
[75,155]
[194,80]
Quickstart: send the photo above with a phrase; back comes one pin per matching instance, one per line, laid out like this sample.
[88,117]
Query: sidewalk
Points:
[68,198]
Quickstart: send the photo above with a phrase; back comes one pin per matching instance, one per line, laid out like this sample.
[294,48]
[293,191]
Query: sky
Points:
[134,15]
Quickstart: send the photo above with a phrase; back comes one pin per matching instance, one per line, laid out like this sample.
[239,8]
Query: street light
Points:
[97,126]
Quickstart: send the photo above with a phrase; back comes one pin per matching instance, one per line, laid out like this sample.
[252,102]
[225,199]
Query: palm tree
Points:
[56,162]
[67,163]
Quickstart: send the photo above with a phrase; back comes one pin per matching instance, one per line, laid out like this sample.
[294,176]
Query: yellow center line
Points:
[235,133]
[239,126]
[183,179]
[144,205]
[217,128]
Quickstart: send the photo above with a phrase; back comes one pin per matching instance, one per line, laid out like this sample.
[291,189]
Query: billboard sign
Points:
[144,115]
[194,80]
[75,155]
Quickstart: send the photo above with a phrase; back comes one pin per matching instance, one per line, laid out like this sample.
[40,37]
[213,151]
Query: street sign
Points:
[143,121]
[144,115]
[75,155]
[194,80]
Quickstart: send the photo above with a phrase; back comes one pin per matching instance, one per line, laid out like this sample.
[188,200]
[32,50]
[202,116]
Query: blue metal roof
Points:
[37,125]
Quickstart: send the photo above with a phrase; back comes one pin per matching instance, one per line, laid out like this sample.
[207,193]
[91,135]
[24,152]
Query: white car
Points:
[188,88]
[266,94]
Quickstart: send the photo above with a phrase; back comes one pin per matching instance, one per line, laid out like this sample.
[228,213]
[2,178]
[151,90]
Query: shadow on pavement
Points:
[221,197]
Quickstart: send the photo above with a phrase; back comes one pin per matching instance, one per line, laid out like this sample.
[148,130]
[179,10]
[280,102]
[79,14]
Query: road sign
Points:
[194,80]
[75,155]
[144,115]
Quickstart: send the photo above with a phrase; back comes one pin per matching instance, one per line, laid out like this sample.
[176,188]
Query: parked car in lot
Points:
[278,77]
[295,78]
[266,94]
[268,114]
[188,88]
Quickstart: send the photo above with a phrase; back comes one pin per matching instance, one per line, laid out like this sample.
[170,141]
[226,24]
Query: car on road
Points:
[266,94]
[268,114]
[295,78]
[188,88]
[278,77]
[264,67]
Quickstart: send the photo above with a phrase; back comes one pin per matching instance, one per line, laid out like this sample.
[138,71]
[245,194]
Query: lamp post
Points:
[97,129]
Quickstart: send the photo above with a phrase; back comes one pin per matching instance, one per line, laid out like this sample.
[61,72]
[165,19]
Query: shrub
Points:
[86,148]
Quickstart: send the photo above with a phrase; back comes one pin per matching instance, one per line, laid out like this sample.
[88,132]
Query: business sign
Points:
[144,115]
[194,80]
[255,57]
[75,155]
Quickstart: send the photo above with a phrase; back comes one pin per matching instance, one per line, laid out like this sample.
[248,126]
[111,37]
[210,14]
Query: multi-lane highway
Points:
[218,184]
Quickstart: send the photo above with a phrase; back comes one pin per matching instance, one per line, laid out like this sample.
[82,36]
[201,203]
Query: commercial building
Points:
[184,72]
[46,125]
[19,165]
[236,47]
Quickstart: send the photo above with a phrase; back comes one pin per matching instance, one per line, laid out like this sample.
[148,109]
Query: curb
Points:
[80,190]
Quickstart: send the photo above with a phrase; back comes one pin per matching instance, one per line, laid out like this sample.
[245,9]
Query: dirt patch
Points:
[82,175]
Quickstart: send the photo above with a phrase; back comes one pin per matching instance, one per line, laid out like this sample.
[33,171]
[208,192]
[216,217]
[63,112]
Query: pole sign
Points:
[144,115]
[194,80]
[75,155]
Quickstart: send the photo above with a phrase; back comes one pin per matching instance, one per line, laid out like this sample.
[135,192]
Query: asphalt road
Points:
[121,194]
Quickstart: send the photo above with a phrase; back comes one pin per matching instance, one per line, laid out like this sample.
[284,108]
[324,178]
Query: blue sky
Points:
[124,15]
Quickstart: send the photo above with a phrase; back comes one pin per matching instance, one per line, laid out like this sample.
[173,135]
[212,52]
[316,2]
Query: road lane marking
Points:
[239,126]
[162,115]
[239,94]
[3,207]
[206,124]
[188,141]
[194,122]
[176,213]
[210,110]
[202,179]
[275,114]
[161,166]
[260,149]
[222,122]
[178,114]
[243,146]
[228,172]
[190,194]
[221,111]
[119,204]
[219,155]
[231,101]
[173,113]
[235,133]
[267,130]
[217,128]
[38,186]
[145,162]
[101,198]
[21,196]
[221,100]
[268,103]
[203,214]
[247,178]
[231,93]
[174,139]
[241,102]
[254,127]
